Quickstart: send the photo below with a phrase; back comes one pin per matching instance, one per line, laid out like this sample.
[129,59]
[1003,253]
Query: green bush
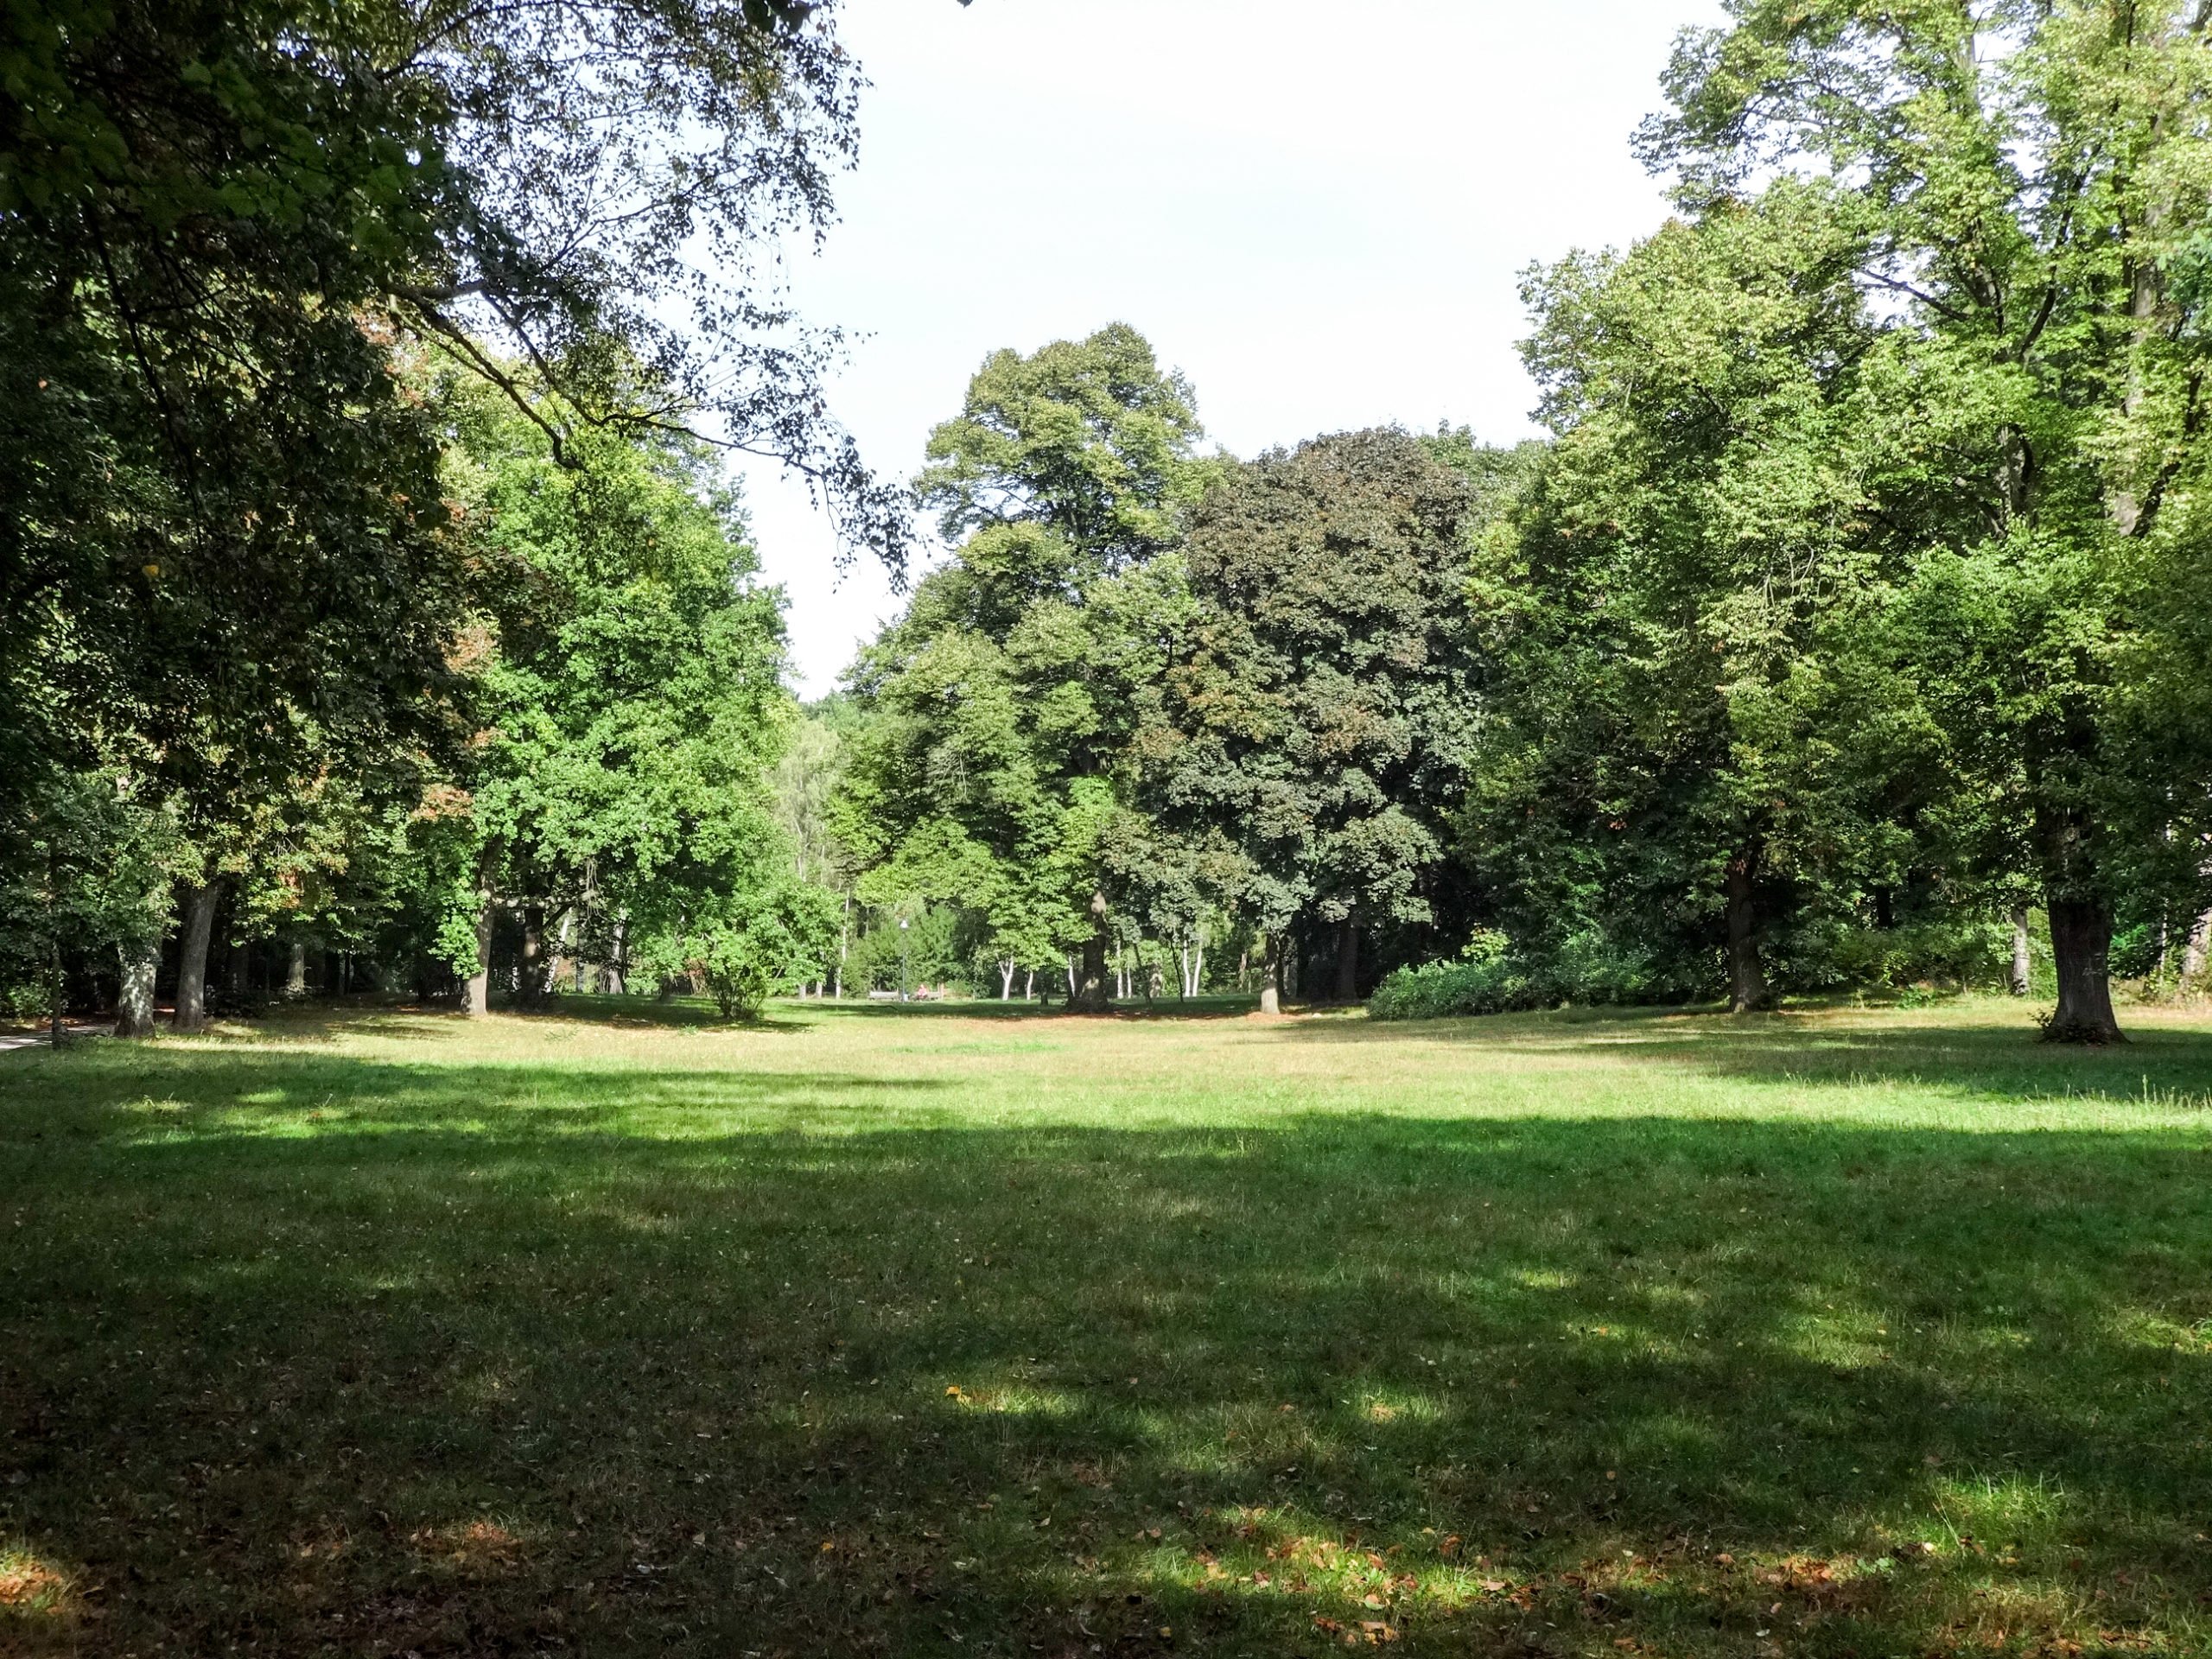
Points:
[1487,979]
[1964,952]
[1492,976]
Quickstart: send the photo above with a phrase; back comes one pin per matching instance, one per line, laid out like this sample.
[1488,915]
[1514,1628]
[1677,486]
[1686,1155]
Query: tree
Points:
[2027,183]
[1314,718]
[1004,703]
[89,866]
[231,229]
[1692,727]
[630,695]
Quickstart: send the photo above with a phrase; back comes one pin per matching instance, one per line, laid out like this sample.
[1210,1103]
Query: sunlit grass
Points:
[909,1331]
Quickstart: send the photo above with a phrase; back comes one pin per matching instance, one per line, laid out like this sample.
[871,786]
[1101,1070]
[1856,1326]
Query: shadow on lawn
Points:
[1999,1060]
[414,1380]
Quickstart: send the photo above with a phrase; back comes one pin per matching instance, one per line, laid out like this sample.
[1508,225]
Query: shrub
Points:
[1950,953]
[1487,979]
[1492,976]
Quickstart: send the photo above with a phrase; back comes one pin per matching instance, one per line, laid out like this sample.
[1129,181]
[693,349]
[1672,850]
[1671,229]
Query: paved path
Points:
[39,1038]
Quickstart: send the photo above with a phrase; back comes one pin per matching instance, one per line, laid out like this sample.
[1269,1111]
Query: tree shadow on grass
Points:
[1993,1061]
[424,1375]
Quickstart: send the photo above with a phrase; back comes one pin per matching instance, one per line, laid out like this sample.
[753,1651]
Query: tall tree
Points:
[631,695]
[222,529]
[1316,716]
[1006,698]
[1678,745]
[2029,183]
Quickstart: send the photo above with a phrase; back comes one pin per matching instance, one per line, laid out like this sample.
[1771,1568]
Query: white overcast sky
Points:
[1318,209]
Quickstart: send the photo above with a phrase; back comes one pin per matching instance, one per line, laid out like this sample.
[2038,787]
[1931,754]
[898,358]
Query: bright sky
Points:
[1318,209]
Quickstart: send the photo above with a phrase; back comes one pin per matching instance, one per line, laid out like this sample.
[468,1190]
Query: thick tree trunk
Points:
[192,956]
[479,983]
[2023,961]
[1029,984]
[1090,992]
[1005,982]
[2081,947]
[296,975]
[1348,960]
[1271,976]
[1747,986]
[134,1004]
[532,976]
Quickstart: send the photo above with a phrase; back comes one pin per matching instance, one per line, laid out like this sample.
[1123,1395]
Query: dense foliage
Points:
[371,606]
[245,599]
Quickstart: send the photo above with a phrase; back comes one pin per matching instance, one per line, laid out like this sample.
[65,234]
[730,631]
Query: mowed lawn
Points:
[931,1331]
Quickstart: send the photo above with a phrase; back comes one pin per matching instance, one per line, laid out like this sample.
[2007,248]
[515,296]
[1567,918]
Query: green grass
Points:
[935,1331]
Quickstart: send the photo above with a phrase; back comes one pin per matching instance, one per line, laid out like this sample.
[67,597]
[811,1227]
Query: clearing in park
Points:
[866,1330]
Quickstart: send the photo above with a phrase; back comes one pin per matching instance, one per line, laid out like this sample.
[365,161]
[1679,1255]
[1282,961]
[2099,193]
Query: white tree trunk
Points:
[2023,963]
[134,1005]
[2195,954]
[1006,980]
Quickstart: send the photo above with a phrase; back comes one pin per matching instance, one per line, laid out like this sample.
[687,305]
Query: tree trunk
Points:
[1747,986]
[1091,990]
[564,963]
[2197,951]
[192,956]
[1271,976]
[479,983]
[1029,984]
[295,975]
[2081,947]
[134,1005]
[1348,960]
[1006,980]
[58,991]
[532,976]
[2024,961]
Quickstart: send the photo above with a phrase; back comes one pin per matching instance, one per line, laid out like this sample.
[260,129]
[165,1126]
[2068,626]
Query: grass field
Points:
[875,1330]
